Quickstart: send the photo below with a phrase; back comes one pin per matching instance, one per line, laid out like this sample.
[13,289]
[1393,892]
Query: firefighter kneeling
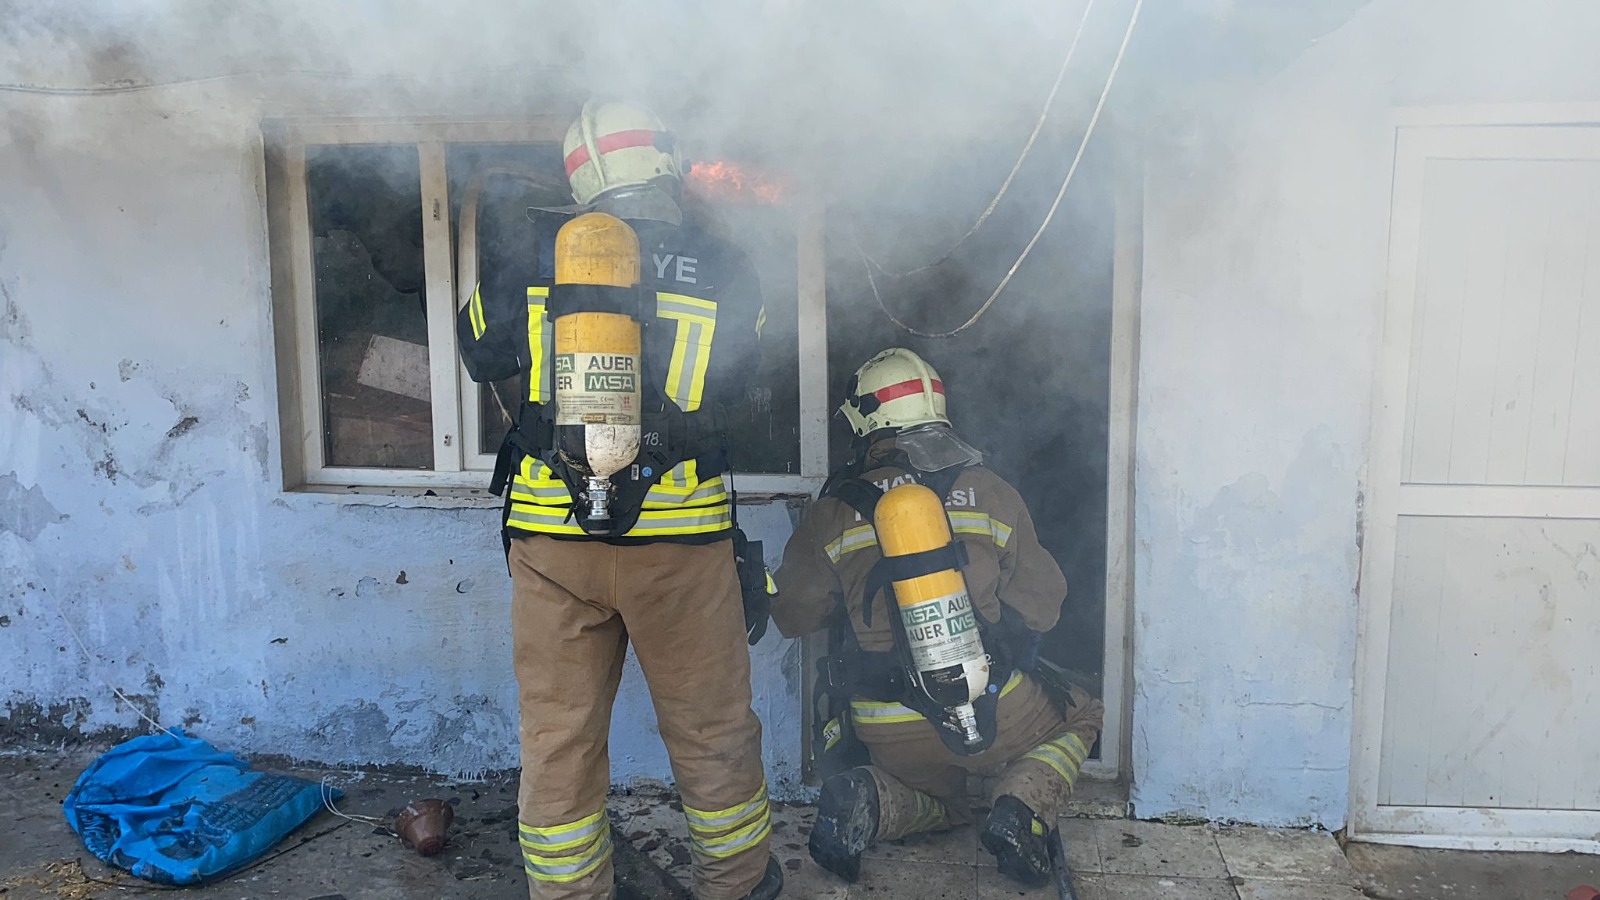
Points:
[926,570]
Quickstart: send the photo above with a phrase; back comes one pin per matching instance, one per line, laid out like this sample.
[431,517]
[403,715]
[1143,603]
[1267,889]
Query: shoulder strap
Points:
[859,494]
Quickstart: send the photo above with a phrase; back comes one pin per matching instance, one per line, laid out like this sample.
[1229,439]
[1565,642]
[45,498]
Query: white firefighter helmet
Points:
[616,146]
[897,392]
[895,389]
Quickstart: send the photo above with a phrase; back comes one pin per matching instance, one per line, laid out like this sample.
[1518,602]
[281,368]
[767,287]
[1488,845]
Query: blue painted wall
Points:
[1265,242]
[140,499]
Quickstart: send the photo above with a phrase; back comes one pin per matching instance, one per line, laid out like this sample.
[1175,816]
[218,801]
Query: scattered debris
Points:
[63,878]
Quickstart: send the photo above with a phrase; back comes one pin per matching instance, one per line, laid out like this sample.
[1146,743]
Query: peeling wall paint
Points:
[1266,218]
[139,499]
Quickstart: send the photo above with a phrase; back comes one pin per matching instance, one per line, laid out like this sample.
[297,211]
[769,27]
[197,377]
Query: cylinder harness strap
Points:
[848,670]
[669,435]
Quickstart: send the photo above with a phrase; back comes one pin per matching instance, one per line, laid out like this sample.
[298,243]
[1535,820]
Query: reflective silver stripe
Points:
[738,841]
[568,868]
[702,820]
[857,538]
[707,492]
[981,523]
[1001,533]
[523,492]
[562,837]
[538,345]
[554,519]
[673,305]
[691,348]
[877,712]
[1064,754]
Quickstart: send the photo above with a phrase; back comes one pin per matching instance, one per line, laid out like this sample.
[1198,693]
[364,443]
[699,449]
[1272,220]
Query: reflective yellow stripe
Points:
[930,814]
[691,346]
[857,538]
[862,536]
[716,820]
[739,841]
[546,850]
[475,313]
[712,491]
[750,822]
[761,321]
[538,345]
[562,837]
[981,523]
[564,869]
[652,522]
[1064,754]
[877,712]
[535,483]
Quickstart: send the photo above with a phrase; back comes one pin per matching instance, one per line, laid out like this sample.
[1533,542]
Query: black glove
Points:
[754,584]
[1011,642]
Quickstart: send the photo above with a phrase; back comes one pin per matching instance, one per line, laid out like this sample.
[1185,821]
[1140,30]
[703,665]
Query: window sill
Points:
[753,489]
[394,497]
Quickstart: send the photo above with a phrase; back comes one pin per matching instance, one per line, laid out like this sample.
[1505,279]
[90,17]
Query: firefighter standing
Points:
[917,780]
[645,554]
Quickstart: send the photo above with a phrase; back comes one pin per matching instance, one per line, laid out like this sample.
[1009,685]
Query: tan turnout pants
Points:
[922,786]
[575,606]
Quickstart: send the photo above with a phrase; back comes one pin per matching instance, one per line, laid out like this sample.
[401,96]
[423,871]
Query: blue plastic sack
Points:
[176,810]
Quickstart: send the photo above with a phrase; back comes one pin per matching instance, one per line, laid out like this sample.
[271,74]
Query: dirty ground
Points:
[1114,859]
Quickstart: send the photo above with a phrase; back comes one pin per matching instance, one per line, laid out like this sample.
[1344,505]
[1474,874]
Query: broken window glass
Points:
[372,327]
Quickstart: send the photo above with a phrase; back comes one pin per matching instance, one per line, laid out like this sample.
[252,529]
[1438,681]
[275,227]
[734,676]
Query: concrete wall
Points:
[1264,262]
[140,496]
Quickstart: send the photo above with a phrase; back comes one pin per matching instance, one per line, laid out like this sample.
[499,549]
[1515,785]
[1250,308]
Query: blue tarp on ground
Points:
[176,810]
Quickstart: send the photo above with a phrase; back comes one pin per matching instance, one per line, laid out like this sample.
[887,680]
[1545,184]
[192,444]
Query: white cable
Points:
[1049,102]
[327,803]
[327,793]
[89,658]
[1077,158]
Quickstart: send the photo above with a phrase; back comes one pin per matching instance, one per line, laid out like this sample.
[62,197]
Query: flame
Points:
[725,180]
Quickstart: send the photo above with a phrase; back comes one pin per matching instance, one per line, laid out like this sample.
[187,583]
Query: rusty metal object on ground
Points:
[422,825]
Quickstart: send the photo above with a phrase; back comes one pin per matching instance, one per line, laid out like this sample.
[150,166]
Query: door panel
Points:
[1478,698]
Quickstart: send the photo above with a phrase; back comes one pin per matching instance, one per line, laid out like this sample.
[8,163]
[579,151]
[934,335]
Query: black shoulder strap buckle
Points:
[912,565]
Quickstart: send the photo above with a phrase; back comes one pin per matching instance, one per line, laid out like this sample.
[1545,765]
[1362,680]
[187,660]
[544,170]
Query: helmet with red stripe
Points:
[613,146]
[896,389]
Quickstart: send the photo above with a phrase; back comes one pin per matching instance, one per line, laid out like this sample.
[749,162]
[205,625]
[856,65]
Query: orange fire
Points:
[731,182]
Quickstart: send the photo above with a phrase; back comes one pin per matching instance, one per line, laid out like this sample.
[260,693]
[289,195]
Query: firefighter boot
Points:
[770,885]
[1019,841]
[847,821]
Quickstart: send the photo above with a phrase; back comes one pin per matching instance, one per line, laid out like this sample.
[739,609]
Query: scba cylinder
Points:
[597,365]
[947,653]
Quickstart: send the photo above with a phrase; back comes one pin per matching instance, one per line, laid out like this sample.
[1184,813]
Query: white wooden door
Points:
[1479,692]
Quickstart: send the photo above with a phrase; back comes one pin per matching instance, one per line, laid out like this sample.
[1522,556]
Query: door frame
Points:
[1419,134]
[1115,763]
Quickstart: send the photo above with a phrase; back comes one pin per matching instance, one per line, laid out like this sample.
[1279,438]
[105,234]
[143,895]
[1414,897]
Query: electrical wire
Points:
[1044,114]
[89,657]
[1111,78]
[94,667]
[327,803]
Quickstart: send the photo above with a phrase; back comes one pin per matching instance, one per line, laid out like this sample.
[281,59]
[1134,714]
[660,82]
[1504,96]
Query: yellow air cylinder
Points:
[952,667]
[597,359]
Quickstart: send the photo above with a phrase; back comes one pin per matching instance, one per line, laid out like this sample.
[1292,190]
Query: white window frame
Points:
[456,416]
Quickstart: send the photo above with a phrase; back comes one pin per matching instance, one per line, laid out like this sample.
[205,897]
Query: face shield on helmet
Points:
[899,394]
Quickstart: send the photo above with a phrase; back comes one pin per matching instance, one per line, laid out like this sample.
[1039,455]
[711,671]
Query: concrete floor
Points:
[1112,859]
